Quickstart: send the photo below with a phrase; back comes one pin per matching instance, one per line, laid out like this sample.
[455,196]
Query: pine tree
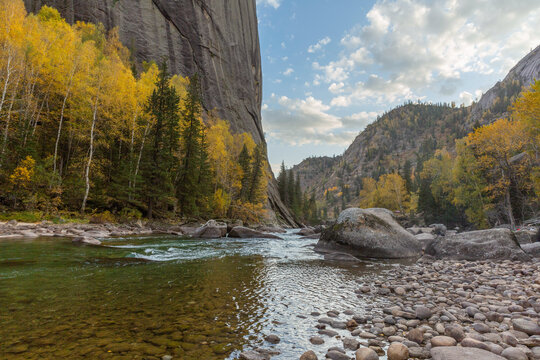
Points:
[159,158]
[290,189]
[190,138]
[256,175]
[282,184]
[407,175]
[204,188]
[244,160]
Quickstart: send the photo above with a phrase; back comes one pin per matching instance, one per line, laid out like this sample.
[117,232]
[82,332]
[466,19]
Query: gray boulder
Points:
[247,233]
[369,233]
[211,230]
[477,245]
[532,249]
[462,353]
[525,236]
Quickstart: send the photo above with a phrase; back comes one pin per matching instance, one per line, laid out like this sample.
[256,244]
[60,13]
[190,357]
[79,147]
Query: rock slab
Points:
[493,244]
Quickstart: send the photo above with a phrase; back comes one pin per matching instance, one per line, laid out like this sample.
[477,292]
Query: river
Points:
[145,297]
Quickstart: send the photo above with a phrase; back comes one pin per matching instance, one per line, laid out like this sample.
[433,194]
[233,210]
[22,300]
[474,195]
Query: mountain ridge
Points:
[405,133]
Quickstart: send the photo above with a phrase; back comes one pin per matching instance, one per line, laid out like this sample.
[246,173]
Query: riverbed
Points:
[145,297]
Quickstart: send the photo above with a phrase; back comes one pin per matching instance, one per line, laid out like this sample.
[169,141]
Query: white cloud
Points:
[273,3]
[336,88]
[308,121]
[466,98]
[420,46]
[319,45]
[288,72]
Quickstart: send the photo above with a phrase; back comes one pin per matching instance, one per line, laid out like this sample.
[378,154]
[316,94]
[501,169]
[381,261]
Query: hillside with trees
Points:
[433,161]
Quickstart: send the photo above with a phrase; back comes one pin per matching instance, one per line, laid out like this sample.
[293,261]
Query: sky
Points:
[330,67]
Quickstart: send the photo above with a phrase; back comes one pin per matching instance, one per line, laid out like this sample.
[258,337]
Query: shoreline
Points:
[492,307]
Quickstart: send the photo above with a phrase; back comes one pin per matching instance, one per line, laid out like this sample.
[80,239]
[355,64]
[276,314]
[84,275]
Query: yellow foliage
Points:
[22,175]
[389,192]
[247,212]
[221,202]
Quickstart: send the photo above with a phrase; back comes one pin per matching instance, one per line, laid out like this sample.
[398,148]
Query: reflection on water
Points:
[151,296]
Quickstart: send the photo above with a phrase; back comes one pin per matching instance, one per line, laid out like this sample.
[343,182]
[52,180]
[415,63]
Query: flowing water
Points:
[145,297]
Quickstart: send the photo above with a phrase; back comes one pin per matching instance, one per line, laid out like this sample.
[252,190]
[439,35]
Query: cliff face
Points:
[525,72]
[216,38]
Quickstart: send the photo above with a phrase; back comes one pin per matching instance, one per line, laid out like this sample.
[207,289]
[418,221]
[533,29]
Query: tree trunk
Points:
[61,121]
[6,83]
[90,155]
[8,120]
[510,213]
[140,154]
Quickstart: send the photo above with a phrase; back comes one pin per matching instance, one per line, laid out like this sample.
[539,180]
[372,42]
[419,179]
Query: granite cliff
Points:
[216,38]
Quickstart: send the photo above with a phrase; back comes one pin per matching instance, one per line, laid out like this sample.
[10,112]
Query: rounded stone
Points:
[443,341]
[309,355]
[416,335]
[366,354]
[400,291]
[513,353]
[316,340]
[397,351]
[526,326]
[273,339]
[423,313]
[470,342]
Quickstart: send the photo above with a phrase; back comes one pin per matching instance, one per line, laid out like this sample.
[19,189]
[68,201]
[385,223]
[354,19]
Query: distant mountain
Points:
[407,135]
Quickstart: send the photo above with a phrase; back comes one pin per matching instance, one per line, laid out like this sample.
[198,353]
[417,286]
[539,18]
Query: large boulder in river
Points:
[247,233]
[369,233]
[211,230]
[477,245]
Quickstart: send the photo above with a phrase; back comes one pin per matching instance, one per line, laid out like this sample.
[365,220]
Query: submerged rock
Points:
[83,240]
[477,245]
[247,233]
[369,233]
[340,257]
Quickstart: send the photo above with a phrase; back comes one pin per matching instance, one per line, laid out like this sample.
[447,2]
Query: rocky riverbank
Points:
[91,233]
[449,310]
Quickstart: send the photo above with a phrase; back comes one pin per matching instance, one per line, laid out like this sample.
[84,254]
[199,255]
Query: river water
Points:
[145,297]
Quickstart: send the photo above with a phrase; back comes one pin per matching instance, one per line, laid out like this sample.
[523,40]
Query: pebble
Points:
[309,355]
[366,354]
[397,351]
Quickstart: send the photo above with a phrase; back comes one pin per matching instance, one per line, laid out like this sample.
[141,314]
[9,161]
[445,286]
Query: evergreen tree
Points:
[188,188]
[257,172]
[290,189]
[245,164]
[159,158]
[204,188]
[407,169]
[282,184]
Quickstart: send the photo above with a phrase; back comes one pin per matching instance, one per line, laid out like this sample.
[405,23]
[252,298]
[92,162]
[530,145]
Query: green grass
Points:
[37,216]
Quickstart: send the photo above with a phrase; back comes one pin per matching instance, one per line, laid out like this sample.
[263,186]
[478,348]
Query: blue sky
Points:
[331,66]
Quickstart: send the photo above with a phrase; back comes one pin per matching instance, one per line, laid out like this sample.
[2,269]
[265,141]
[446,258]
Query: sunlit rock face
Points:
[217,39]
